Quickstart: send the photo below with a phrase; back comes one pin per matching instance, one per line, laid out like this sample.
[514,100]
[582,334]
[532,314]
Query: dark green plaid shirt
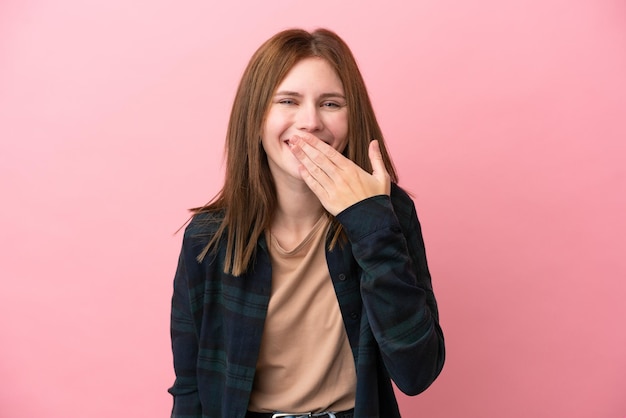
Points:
[385,295]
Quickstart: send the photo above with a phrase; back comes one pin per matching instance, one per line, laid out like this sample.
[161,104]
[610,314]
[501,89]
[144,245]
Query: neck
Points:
[297,211]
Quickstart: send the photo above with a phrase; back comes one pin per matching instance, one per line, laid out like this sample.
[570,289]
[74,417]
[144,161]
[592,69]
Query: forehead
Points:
[311,74]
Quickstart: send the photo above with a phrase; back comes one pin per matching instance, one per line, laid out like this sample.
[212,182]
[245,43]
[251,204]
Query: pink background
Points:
[506,120]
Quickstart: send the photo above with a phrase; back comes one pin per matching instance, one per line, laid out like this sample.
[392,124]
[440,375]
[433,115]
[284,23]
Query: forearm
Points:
[396,292]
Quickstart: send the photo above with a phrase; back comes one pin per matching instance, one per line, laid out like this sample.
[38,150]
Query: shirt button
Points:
[354,315]
[342,277]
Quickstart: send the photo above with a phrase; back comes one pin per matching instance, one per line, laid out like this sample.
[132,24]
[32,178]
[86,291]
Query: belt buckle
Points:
[306,415]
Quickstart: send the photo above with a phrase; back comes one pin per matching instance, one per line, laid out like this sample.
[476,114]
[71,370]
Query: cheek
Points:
[269,123]
[274,122]
[340,133]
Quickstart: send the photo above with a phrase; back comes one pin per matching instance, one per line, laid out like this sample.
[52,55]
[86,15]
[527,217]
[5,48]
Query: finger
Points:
[379,170]
[311,160]
[376,158]
[313,183]
[317,149]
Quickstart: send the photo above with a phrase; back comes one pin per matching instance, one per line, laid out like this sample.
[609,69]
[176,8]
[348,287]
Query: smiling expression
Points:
[309,100]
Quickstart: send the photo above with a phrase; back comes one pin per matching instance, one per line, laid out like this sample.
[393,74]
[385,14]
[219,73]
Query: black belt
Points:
[343,414]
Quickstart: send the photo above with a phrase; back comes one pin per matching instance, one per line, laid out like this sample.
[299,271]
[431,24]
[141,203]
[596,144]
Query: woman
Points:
[303,288]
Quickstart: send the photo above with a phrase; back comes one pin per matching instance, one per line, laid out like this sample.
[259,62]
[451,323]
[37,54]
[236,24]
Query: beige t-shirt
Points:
[305,363]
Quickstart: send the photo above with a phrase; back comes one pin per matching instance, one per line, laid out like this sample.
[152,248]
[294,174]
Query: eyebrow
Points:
[296,94]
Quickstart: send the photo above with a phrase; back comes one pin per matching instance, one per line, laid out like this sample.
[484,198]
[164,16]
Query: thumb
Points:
[378,164]
[376,158]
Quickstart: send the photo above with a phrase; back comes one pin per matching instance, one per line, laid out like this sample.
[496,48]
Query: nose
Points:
[309,118]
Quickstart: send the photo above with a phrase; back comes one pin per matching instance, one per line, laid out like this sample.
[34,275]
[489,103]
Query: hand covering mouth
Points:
[288,142]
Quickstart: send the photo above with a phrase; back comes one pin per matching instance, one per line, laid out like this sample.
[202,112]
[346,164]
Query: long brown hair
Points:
[248,197]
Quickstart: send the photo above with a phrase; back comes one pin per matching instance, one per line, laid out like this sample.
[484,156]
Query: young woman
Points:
[302,289]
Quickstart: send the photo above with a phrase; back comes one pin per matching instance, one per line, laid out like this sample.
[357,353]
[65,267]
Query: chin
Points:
[296,174]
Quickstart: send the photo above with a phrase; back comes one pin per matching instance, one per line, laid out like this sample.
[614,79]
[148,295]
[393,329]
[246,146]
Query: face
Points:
[310,100]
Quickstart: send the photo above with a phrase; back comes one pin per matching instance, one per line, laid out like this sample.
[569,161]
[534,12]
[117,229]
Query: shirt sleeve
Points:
[396,288]
[184,340]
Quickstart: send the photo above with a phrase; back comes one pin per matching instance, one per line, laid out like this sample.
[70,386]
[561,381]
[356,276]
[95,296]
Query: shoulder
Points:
[398,193]
[201,230]
[401,201]
[202,227]
[204,222]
